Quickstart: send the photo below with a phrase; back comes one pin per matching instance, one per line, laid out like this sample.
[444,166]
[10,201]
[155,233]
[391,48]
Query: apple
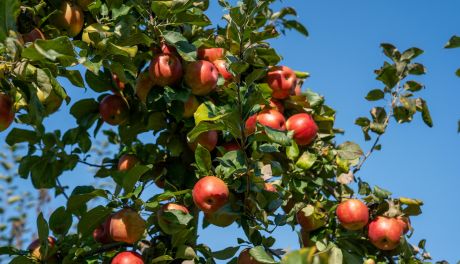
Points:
[206,139]
[275,104]
[352,214]
[222,68]
[143,86]
[168,49]
[310,218]
[102,233]
[127,257]
[201,76]
[127,161]
[50,101]
[385,233]
[272,118]
[163,222]
[210,54]
[297,90]
[165,69]
[229,146]
[34,249]
[269,187]
[405,223]
[33,35]
[114,110]
[70,18]
[210,194]
[282,81]
[190,106]
[246,258]
[6,111]
[84,4]
[127,226]
[250,125]
[304,127]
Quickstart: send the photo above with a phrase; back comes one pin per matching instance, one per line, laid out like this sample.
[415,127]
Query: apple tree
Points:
[237,139]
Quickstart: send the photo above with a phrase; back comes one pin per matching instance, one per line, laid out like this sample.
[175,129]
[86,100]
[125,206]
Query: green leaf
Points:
[203,159]
[306,161]
[173,221]
[225,253]
[128,179]
[91,219]
[186,50]
[423,108]
[81,195]
[390,51]
[381,193]
[22,260]
[314,99]
[86,112]
[388,75]
[302,256]
[294,24]
[60,221]
[411,53]
[43,233]
[9,11]
[375,95]
[292,151]
[279,137]
[454,42]
[261,255]
[18,135]
[74,76]
[349,151]
[413,86]
[99,82]
[59,50]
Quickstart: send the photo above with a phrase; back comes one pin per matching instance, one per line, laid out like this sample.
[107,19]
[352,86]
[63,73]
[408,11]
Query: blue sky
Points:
[341,54]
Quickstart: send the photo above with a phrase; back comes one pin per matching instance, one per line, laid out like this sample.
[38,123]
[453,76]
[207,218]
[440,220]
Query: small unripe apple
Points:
[190,106]
[385,233]
[165,69]
[304,127]
[114,110]
[201,76]
[33,35]
[34,249]
[405,223]
[210,54]
[127,257]
[6,111]
[353,214]
[206,139]
[126,162]
[272,118]
[246,258]
[102,233]
[222,67]
[70,19]
[282,81]
[127,226]
[210,194]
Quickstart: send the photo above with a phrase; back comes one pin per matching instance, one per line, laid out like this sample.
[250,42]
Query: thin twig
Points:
[104,248]
[91,164]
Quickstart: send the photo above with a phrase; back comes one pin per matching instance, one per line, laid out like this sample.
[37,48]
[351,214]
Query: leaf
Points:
[18,135]
[59,49]
[86,112]
[74,76]
[186,50]
[128,179]
[294,24]
[292,151]
[454,42]
[388,75]
[43,233]
[225,253]
[91,219]
[203,159]
[279,137]
[261,255]
[349,151]
[81,195]
[22,260]
[375,95]
[60,221]
[390,51]
[411,53]
[409,201]
[423,108]
[302,256]
[335,256]
[9,11]
[413,86]
[381,193]
[306,161]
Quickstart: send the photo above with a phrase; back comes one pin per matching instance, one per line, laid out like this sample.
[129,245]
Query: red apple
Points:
[70,18]
[165,69]
[127,226]
[114,110]
[353,214]
[206,139]
[304,127]
[190,106]
[269,187]
[210,54]
[119,85]
[168,49]
[229,146]
[34,248]
[210,194]
[385,233]
[297,90]
[143,86]
[272,118]
[405,223]
[250,125]
[222,67]
[275,104]
[201,76]
[310,218]
[6,111]
[33,35]
[282,81]
[246,258]
[127,257]
[127,161]
[102,233]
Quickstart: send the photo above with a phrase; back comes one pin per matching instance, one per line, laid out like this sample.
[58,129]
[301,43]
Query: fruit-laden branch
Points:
[104,248]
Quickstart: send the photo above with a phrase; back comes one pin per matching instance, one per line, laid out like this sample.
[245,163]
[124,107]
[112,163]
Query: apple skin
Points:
[269,187]
[304,127]
[114,110]
[201,76]
[206,139]
[127,257]
[70,19]
[297,90]
[143,86]
[165,69]
[210,194]
[353,214]
[126,162]
[210,54]
[385,233]
[34,248]
[6,111]
[102,233]
[282,81]
[190,106]
[246,258]
[272,118]
[405,223]
[33,35]
[250,125]
[127,226]
[168,49]
[164,223]
[222,68]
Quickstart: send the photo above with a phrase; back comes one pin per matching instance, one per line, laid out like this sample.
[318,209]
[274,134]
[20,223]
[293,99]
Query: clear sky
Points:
[341,54]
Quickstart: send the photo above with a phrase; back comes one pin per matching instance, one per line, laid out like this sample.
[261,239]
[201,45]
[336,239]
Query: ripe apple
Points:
[70,19]
[272,118]
[229,146]
[127,226]
[270,187]
[250,125]
[165,69]
[6,111]
[310,218]
[405,223]
[114,110]
[282,81]
[168,49]
[210,194]
[143,86]
[201,76]
[50,101]
[297,90]
[84,4]
[206,139]
[304,127]
[102,233]
[33,35]
[353,214]
[34,249]
[246,258]
[127,161]
[190,106]
[210,54]
[385,233]
[222,67]
[127,257]
[163,222]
